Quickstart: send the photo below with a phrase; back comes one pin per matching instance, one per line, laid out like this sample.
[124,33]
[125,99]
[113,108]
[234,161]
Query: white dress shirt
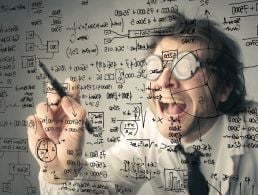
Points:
[229,163]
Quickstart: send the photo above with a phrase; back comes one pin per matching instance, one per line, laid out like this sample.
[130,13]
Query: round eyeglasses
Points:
[183,67]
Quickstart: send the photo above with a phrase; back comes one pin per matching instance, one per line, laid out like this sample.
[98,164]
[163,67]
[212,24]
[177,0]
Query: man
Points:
[196,119]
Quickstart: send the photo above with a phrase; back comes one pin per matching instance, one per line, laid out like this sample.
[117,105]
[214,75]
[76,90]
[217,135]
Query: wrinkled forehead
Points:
[199,47]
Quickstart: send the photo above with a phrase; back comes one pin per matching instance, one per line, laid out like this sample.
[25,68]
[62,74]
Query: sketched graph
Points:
[175,180]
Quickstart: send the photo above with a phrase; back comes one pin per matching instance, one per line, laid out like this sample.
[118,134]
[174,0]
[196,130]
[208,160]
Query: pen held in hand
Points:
[60,90]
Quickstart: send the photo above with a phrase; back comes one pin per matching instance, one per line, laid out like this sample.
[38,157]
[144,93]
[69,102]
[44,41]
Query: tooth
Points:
[170,100]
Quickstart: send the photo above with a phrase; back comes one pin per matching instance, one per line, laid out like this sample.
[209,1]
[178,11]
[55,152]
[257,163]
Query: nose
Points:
[167,79]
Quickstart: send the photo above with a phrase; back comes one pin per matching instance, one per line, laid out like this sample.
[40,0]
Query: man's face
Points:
[186,107]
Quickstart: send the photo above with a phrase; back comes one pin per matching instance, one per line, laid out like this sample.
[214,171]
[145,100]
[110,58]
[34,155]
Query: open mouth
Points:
[172,108]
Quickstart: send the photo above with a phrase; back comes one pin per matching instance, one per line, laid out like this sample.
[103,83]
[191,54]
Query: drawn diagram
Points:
[46,150]
[176,180]
[17,170]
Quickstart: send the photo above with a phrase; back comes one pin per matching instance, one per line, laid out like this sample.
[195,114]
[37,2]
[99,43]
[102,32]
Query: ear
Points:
[225,92]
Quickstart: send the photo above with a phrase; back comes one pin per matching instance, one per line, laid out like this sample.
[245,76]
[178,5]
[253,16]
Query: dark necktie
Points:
[197,185]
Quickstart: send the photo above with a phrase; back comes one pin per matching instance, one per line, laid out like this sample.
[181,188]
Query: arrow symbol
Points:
[207,13]
[73,112]
[200,135]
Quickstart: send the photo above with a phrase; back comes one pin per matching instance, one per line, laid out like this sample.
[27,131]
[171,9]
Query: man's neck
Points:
[198,131]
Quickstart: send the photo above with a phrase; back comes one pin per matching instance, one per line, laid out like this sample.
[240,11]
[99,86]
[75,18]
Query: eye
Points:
[153,67]
[185,66]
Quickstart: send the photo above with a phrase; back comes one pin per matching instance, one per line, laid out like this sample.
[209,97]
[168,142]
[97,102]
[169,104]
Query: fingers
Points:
[71,89]
[51,117]
[76,117]
[34,127]
[35,132]
[48,122]
[72,108]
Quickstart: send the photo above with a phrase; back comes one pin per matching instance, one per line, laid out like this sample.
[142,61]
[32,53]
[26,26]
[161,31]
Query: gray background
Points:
[27,27]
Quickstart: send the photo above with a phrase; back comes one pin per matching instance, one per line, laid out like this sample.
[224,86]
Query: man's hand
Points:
[57,138]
